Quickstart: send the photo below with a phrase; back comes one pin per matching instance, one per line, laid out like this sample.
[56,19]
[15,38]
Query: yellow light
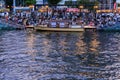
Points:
[42,7]
[41,10]
[31,6]
[46,6]
[95,7]
[81,7]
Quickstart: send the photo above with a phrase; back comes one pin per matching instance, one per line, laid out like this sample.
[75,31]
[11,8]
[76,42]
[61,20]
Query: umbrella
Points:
[73,10]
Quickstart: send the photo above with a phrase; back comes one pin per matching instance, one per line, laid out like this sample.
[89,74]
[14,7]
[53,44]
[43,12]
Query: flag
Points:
[115,5]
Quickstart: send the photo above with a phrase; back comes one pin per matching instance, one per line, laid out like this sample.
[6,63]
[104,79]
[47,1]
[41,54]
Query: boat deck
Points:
[59,29]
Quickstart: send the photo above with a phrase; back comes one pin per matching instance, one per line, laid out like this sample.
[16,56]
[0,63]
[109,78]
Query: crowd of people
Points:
[61,15]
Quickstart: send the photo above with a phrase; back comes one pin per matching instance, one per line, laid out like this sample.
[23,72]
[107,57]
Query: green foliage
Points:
[71,3]
[83,2]
[96,3]
[118,5]
[114,1]
[9,2]
[68,2]
[30,2]
[53,2]
[88,4]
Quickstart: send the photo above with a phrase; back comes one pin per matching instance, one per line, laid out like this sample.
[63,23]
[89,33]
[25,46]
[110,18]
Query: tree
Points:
[118,5]
[30,2]
[88,4]
[8,2]
[53,2]
[114,1]
[68,3]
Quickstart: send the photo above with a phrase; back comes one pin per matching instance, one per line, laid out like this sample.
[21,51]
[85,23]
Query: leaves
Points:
[9,2]
[114,1]
[88,4]
[68,2]
[30,2]
[54,2]
[118,5]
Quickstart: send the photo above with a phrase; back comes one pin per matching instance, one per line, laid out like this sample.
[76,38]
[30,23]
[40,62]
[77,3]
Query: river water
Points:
[27,55]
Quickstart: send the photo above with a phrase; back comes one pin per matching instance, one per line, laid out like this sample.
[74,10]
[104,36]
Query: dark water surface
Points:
[59,55]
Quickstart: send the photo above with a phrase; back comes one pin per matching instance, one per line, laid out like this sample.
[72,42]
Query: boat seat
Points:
[76,26]
[42,25]
[53,24]
[61,24]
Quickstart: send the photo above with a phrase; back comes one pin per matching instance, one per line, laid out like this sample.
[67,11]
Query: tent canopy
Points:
[73,10]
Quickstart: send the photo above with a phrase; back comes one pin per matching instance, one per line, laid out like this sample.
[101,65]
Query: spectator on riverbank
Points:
[72,18]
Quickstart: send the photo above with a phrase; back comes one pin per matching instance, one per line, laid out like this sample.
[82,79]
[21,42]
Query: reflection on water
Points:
[59,56]
[30,44]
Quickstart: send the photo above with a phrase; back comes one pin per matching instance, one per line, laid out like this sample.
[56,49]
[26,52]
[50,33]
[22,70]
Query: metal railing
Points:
[106,6]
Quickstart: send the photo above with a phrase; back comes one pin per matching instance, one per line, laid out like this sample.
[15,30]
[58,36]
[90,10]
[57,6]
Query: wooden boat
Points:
[90,28]
[29,26]
[45,28]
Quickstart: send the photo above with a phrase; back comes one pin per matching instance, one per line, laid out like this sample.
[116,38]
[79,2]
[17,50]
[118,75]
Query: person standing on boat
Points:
[6,16]
[24,22]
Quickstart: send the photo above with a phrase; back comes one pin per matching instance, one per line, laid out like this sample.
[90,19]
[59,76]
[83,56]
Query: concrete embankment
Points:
[5,24]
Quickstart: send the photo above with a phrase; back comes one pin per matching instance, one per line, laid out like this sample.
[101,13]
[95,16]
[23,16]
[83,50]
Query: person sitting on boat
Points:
[91,23]
[53,24]
[73,23]
[61,24]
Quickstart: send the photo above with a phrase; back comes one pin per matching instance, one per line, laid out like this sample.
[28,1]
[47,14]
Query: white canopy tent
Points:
[117,1]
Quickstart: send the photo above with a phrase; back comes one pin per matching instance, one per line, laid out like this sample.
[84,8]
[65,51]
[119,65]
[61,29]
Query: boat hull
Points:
[59,29]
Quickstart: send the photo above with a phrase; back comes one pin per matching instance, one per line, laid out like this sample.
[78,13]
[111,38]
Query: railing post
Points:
[14,5]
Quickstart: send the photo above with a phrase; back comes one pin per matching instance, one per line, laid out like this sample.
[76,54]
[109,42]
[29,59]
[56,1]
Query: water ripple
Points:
[59,56]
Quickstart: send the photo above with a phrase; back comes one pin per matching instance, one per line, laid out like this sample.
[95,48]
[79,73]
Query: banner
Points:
[115,5]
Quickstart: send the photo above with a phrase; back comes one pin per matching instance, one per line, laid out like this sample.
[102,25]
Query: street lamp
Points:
[81,7]
[43,2]
[14,4]
[31,7]
[95,7]
[47,9]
